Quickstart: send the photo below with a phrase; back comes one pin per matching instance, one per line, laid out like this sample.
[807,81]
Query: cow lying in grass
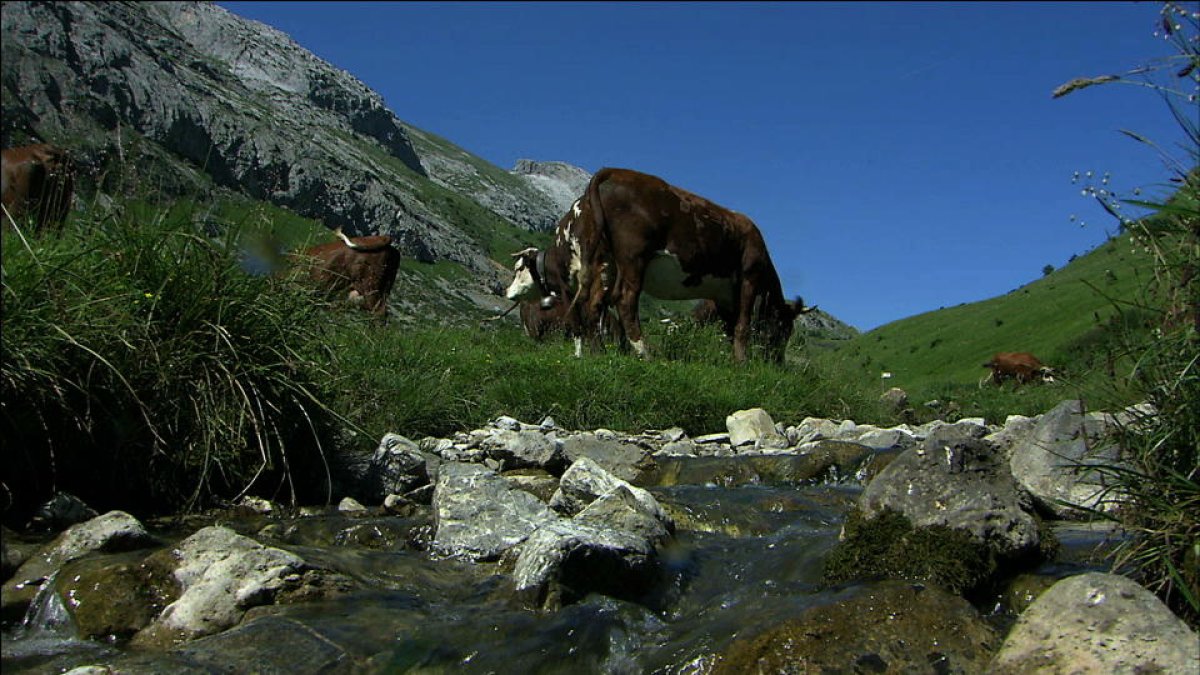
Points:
[363,267]
[1020,366]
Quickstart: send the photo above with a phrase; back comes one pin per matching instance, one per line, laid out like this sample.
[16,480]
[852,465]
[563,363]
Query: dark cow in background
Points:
[364,266]
[1020,366]
[546,312]
[632,233]
[38,183]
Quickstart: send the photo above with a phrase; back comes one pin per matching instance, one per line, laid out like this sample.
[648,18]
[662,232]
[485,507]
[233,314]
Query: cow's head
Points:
[777,323]
[529,279]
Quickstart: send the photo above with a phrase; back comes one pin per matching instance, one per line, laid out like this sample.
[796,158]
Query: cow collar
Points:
[541,270]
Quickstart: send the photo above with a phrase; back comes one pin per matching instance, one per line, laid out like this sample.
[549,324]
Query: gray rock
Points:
[894,399]
[753,426]
[956,479]
[623,459]
[619,509]
[524,449]
[564,561]
[1052,462]
[563,183]
[479,515]
[587,481]
[1098,623]
[397,467]
[221,574]
[111,532]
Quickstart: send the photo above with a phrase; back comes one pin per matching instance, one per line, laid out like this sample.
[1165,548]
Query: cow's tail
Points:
[590,269]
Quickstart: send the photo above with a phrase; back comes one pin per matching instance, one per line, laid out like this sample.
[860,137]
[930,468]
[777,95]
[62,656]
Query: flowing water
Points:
[743,559]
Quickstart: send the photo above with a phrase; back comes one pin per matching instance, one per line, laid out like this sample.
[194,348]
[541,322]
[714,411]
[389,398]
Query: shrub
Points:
[143,369]
[1160,481]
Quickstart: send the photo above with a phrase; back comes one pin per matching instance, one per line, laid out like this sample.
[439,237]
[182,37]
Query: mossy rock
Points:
[889,547]
[888,627]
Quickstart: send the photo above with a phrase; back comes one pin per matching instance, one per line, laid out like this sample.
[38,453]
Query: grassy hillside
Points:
[1066,318]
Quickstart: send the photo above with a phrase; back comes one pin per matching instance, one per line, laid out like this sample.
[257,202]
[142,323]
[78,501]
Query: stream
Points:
[743,558]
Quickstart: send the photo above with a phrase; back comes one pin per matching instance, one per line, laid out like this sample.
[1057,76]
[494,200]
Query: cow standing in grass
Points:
[631,233]
[1020,366]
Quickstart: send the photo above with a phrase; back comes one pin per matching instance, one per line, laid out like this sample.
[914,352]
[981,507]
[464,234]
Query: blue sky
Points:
[898,157]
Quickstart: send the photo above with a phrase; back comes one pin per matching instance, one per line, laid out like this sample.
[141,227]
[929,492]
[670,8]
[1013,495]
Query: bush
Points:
[143,369]
[1160,480]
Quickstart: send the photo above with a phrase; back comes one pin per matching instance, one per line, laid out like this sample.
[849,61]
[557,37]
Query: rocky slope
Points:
[212,99]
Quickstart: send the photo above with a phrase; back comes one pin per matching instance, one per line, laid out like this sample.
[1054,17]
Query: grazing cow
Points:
[632,232]
[364,266]
[38,184]
[545,312]
[1020,366]
[705,312]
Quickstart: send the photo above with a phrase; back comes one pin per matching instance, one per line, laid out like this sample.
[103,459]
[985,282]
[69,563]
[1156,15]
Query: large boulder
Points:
[564,561]
[113,531]
[1098,623]
[956,480]
[1054,462]
[480,515]
[220,574]
[587,481]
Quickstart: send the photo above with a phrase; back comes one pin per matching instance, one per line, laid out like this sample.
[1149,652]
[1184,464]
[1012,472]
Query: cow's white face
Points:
[523,286]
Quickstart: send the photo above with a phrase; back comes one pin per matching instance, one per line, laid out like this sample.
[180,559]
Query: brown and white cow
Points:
[632,233]
[1020,366]
[38,183]
[545,313]
[365,267]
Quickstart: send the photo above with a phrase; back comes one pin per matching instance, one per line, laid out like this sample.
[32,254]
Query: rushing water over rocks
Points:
[733,578]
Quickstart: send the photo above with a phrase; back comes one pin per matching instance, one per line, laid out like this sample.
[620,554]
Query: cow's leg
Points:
[741,327]
[628,290]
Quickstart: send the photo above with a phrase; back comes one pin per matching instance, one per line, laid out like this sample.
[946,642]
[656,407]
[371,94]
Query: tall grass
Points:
[1159,482]
[143,368]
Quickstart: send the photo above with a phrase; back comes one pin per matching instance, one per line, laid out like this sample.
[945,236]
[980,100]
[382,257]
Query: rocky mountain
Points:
[213,100]
[561,182]
[200,102]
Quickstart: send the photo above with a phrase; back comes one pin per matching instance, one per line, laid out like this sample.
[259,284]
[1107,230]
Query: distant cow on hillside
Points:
[38,183]
[1020,366]
[364,266]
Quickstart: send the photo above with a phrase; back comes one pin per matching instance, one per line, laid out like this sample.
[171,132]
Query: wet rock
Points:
[1052,461]
[480,515]
[113,597]
[754,427]
[564,561]
[956,480]
[221,574]
[587,481]
[273,645]
[619,509]
[62,511]
[891,627]
[1098,623]
[111,532]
